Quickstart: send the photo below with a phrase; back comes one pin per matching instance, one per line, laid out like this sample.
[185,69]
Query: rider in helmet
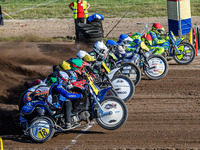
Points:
[59,98]
[74,68]
[36,91]
[129,42]
[111,44]
[100,51]
[76,75]
[116,48]
[125,40]
[85,56]
[154,35]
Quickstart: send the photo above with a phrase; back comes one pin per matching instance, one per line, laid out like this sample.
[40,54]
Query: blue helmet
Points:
[124,40]
[122,37]
[111,44]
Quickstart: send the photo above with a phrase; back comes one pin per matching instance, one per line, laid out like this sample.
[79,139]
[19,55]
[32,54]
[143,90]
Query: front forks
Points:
[101,112]
[146,63]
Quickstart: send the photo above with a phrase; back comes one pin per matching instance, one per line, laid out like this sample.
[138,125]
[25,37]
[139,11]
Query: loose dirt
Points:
[65,27]
[163,114]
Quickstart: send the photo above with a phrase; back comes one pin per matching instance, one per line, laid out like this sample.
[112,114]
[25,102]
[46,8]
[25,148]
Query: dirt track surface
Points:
[65,27]
[163,114]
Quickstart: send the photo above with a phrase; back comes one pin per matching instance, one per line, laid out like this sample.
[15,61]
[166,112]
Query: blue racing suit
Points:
[61,99]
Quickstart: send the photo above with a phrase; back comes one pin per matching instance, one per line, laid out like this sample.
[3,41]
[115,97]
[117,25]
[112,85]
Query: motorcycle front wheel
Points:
[118,113]
[158,67]
[41,129]
[124,87]
[188,56]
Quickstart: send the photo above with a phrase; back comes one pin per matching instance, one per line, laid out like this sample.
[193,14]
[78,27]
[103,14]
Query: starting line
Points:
[75,139]
[31,7]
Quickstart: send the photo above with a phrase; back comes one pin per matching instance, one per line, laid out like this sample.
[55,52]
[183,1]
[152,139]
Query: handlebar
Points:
[144,23]
[146,26]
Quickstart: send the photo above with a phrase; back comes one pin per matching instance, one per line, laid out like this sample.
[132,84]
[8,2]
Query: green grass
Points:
[108,8]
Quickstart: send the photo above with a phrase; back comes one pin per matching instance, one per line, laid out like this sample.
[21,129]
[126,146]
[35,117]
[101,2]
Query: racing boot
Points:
[67,111]
[68,125]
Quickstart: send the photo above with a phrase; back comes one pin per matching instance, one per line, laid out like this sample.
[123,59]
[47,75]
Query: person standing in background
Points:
[80,12]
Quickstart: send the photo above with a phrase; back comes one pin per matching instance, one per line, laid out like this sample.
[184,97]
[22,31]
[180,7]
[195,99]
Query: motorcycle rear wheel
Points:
[132,71]
[158,67]
[41,129]
[124,87]
[188,57]
[118,116]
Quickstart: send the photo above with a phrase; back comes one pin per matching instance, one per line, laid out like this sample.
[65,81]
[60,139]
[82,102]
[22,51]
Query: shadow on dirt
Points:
[9,123]
[21,138]
[173,64]
[85,132]
[14,95]
[62,49]
[9,111]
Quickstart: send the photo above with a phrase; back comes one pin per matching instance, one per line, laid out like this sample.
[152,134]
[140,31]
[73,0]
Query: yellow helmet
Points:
[64,66]
[88,58]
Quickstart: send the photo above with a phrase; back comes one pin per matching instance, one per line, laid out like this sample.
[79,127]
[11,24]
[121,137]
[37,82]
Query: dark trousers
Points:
[85,98]
[79,20]
[67,110]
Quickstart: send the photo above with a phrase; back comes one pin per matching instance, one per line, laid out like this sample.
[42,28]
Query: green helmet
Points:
[52,78]
[76,64]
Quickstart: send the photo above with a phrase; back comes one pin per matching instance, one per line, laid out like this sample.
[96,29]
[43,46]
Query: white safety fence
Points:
[24,9]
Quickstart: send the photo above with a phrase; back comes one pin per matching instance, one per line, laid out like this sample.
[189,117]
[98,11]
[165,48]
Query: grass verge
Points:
[109,9]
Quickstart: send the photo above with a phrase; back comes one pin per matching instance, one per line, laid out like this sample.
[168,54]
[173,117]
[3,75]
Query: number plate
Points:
[127,67]
[43,133]
[106,68]
[125,71]
[94,87]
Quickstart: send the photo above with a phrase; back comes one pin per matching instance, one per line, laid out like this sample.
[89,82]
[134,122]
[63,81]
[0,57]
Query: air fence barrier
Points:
[195,38]
[179,16]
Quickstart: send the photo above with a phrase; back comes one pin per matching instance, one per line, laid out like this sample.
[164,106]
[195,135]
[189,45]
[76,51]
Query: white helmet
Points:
[101,49]
[81,54]
[63,76]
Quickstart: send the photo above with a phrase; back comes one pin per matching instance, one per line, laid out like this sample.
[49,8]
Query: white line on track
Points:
[30,7]
[75,139]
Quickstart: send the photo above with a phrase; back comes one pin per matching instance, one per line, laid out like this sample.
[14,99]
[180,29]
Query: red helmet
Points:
[157,28]
[148,39]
